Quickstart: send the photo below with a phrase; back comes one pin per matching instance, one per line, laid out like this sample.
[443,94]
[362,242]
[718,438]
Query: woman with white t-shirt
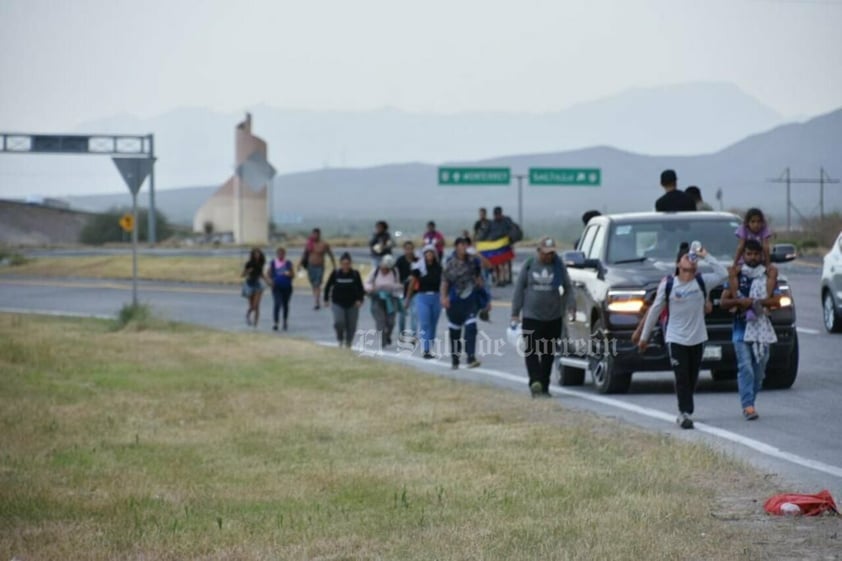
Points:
[686,332]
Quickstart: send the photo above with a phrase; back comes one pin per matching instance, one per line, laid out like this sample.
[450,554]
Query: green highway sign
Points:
[582,177]
[474,176]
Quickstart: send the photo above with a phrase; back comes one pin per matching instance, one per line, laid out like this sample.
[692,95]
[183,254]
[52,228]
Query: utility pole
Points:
[152,218]
[520,178]
[787,178]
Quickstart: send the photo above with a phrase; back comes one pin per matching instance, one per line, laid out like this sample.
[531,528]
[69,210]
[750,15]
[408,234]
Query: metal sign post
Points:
[134,172]
[520,177]
[134,251]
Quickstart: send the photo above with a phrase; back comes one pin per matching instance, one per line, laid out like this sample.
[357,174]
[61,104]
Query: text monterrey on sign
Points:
[474,176]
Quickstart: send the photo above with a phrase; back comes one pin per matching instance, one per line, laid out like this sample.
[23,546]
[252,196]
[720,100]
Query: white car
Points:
[832,287]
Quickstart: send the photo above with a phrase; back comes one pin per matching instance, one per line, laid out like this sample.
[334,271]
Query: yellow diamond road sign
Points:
[127,222]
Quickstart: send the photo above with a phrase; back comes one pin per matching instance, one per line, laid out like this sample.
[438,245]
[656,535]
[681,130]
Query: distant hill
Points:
[35,224]
[195,145]
[630,182]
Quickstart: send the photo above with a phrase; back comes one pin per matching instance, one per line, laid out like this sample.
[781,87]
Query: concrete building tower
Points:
[240,207]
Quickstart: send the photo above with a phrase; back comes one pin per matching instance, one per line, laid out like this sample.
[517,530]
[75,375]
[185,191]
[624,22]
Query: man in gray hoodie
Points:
[542,293]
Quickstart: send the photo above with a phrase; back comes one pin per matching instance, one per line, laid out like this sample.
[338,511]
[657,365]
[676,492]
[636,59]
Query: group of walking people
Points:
[414,289]
[411,291]
[681,303]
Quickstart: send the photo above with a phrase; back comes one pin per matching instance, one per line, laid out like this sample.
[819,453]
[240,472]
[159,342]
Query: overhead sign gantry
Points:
[118,146]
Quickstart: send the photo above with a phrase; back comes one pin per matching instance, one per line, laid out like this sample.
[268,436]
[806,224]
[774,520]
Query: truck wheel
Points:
[719,375]
[783,378]
[832,321]
[570,376]
[606,377]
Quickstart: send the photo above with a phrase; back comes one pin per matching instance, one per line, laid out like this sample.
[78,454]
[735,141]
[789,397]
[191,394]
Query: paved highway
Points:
[798,437]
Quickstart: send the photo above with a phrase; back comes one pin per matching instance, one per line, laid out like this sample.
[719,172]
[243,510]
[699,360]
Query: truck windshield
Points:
[660,240]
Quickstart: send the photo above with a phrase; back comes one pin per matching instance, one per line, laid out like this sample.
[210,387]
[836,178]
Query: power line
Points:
[785,177]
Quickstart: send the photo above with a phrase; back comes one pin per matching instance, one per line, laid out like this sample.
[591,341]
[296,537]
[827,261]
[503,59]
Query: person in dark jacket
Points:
[403,265]
[500,227]
[542,296]
[696,194]
[481,226]
[344,291]
[381,243]
[461,277]
[674,199]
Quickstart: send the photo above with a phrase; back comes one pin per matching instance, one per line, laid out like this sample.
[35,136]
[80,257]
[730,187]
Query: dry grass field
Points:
[160,441]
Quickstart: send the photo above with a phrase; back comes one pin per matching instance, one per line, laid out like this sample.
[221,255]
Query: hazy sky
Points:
[64,62]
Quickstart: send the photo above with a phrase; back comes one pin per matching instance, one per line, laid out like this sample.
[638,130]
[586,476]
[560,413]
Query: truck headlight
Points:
[786,295]
[626,301]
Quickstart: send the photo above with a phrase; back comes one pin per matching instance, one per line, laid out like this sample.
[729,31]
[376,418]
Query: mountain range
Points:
[194,146]
[629,182]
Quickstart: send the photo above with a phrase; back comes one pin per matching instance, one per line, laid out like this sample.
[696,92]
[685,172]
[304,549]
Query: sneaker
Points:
[317,307]
[429,356]
[536,389]
[750,413]
[545,394]
[454,364]
[685,421]
[473,363]
[285,325]
[275,327]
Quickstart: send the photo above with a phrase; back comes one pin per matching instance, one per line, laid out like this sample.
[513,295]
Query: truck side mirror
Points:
[577,260]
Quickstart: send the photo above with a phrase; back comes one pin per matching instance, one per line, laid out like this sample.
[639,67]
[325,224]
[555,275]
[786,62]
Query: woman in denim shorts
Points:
[253,286]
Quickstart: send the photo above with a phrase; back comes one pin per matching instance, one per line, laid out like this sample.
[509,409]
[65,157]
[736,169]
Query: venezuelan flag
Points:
[497,251]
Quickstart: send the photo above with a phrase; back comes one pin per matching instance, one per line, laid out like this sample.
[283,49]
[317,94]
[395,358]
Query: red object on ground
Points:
[810,505]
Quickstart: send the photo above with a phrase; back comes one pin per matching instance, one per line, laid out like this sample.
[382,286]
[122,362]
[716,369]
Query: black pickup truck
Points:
[615,271]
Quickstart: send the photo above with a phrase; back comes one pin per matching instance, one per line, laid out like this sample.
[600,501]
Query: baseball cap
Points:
[546,245]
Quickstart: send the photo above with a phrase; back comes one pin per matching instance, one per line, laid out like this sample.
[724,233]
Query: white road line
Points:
[807,330]
[762,447]
[55,313]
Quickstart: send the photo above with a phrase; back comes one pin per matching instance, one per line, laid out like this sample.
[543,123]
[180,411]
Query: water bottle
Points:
[695,247]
